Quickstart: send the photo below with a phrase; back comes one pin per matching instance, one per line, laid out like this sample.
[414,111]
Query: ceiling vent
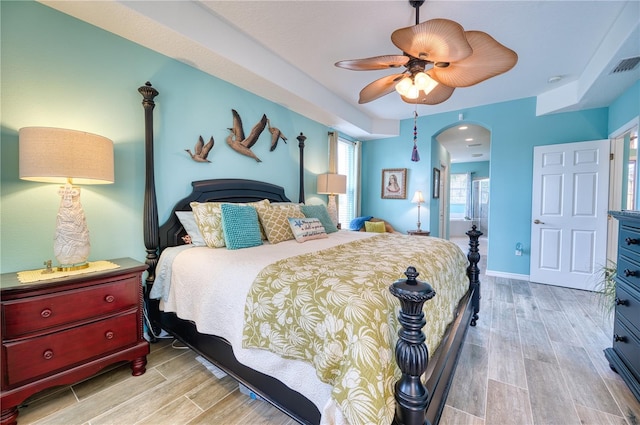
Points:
[625,65]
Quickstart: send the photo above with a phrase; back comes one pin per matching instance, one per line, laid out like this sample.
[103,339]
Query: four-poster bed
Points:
[413,402]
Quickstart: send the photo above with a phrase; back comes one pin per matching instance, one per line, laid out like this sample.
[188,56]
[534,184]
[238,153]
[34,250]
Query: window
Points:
[347,165]
[460,196]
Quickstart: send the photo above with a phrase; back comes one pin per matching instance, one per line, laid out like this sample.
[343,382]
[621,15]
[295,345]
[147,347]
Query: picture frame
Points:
[394,183]
[436,183]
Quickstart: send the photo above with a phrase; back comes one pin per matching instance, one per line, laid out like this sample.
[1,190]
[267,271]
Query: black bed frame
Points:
[415,403]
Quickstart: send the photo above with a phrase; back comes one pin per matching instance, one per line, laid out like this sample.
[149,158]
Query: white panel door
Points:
[569,213]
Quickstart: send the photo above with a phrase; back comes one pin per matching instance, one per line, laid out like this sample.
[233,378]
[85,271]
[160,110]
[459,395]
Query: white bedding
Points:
[209,287]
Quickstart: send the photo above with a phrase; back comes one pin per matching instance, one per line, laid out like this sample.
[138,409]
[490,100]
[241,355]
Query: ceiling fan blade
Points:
[489,58]
[377,62]
[435,40]
[379,88]
[438,95]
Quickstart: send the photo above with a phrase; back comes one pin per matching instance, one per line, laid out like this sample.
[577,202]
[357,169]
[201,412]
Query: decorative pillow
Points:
[276,223]
[240,226]
[305,229]
[320,212]
[188,221]
[209,220]
[358,222]
[374,226]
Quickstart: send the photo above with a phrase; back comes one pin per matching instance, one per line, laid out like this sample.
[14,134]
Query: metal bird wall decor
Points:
[242,144]
[276,135]
[201,151]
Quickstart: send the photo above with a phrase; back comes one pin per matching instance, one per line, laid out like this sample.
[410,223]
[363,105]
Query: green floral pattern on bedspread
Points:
[333,309]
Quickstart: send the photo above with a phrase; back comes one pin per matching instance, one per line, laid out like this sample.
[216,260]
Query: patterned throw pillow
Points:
[276,222]
[240,226]
[188,221]
[305,229]
[320,212]
[209,220]
[374,226]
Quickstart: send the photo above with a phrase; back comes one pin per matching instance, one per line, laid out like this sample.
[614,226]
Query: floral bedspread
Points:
[333,308]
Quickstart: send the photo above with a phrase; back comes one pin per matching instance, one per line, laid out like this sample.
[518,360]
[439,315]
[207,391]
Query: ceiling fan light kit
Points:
[438,56]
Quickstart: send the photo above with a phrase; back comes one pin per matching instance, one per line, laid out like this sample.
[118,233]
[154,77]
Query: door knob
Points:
[536,221]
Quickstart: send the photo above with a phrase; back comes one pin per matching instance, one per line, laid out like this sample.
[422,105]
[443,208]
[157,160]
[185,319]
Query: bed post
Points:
[412,355]
[301,138]
[473,272]
[150,217]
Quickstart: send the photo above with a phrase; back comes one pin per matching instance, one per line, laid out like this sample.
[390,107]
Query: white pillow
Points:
[188,221]
[305,229]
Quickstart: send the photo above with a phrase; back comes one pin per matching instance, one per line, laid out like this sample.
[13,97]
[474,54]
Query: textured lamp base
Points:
[71,243]
[332,208]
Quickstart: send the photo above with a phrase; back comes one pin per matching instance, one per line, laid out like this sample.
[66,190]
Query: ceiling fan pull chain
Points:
[415,156]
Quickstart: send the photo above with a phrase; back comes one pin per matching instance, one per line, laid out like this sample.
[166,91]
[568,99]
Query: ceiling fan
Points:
[439,55]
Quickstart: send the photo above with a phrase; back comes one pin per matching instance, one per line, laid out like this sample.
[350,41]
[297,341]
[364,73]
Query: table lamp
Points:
[332,184]
[69,157]
[418,199]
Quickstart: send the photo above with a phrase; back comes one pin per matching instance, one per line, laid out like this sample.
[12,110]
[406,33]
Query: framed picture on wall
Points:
[436,183]
[394,183]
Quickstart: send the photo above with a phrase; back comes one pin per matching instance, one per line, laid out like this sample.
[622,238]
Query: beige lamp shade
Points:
[56,155]
[417,198]
[332,184]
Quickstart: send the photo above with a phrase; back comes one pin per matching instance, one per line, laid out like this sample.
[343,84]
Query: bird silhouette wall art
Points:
[201,151]
[276,135]
[239,142]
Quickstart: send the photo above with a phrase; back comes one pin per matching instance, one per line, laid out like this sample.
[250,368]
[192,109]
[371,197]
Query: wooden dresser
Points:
[624,355]
[62,330]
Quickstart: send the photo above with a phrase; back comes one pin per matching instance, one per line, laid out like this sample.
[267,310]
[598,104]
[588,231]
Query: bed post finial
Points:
[150,222]
[301,138]
[412,354]
[473,272]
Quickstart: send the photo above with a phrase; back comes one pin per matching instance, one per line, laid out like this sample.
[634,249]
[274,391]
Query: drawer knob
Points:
[618,338]
[109,298]
[109,334]
[628,272]
[48,354]
[46,313]
[621,302]
[632,241]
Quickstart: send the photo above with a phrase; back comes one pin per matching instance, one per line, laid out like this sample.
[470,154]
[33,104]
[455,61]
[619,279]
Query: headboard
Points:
[217,190]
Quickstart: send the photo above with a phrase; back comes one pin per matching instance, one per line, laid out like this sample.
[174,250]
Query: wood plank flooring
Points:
[535,357]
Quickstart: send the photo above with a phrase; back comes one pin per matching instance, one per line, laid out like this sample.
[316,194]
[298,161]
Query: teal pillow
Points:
[320,212]
[240,226]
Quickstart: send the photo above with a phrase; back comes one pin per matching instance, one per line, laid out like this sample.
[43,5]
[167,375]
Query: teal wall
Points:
[515,130]
[58,71]
[478,169]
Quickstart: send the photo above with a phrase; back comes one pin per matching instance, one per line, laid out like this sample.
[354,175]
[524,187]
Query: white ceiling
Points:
[285,50]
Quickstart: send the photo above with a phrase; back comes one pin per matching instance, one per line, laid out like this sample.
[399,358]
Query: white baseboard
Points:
[515,276]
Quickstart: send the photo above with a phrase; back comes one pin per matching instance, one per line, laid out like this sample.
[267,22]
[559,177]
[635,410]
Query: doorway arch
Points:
[469,147]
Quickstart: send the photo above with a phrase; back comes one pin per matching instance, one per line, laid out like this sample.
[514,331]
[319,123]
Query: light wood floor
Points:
[535,357]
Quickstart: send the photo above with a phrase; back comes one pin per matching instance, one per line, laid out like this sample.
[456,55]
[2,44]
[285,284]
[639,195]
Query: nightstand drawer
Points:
[30,358]
[628,271]
[28,315]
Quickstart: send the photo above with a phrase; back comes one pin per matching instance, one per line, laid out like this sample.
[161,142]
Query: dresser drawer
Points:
[32,314]
[629,238]
[30,358]
[628,304]
[628,271]
[627,345]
